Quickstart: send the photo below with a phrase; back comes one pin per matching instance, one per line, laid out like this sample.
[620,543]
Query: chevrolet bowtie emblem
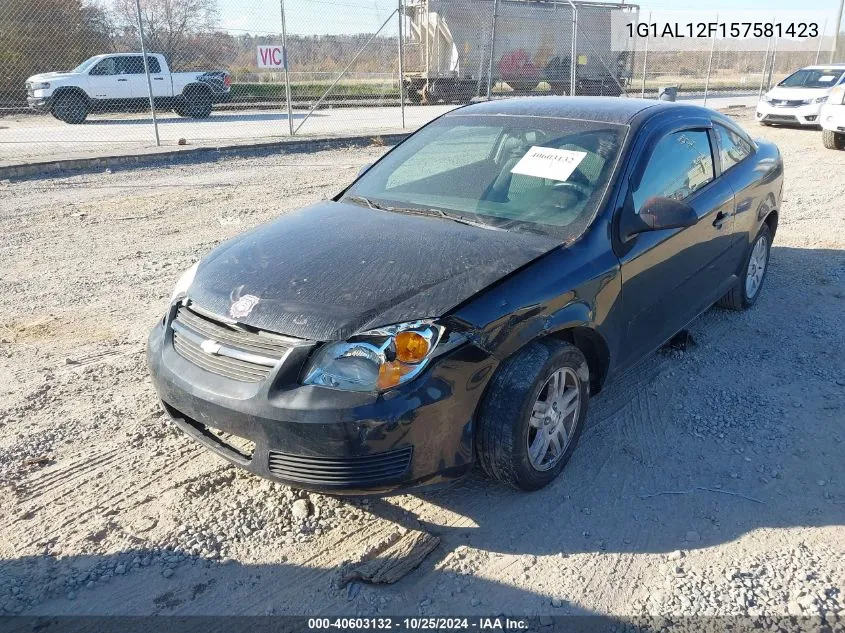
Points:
[210,347]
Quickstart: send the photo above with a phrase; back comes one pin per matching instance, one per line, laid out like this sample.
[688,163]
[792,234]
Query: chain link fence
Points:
[228,71]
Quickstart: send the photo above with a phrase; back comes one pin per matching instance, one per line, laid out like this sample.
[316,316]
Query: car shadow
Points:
[142,582]
[689,449]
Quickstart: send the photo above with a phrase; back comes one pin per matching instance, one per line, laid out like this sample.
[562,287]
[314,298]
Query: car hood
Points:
[50,76]
[797,93]
[333,269]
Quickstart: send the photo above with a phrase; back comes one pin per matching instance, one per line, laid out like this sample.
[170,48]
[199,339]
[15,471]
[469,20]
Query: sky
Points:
[320,17]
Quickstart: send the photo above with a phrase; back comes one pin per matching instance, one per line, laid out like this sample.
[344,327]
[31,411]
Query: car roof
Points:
[837,65]
[104,55]
[605,109]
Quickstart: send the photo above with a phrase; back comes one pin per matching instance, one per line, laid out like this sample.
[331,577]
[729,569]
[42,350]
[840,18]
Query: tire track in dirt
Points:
[105,506]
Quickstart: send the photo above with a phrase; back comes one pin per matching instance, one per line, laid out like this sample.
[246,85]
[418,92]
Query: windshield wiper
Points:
[431,213]
[366,201]
[440,213]
[462,220]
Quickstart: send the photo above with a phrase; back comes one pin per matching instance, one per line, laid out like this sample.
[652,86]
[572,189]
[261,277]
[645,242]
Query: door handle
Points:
[721,216]
[123,80]
[158,78]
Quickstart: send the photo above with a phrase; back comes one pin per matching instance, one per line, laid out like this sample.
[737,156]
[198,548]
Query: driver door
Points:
[670,276]
[104,82]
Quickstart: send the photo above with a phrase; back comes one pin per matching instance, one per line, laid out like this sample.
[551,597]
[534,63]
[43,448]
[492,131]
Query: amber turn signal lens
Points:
[411,347]
[390,373]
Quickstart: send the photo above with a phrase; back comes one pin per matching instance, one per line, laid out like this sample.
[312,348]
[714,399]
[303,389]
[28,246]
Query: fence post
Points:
[285,59]
[401,64]
[492,48]
[836,28]
[710,64]
[772,67]
[645,56]
[574,53]
[763,72]
[821,39]
[147,72]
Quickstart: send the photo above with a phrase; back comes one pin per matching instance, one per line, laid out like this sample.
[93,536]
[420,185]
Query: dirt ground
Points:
[710,481]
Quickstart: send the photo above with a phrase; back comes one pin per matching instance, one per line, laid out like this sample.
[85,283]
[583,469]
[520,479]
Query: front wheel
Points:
[531,417]
[833,140]
[745,293]
[71,108]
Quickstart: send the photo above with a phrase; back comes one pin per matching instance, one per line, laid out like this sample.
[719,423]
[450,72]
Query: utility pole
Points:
[836,26]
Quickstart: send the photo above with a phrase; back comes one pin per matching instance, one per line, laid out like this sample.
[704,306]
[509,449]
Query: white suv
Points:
[798,99]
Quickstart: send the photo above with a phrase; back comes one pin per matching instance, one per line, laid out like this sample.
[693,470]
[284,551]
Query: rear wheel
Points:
[71,108]
[833,140]
[531,417]
[745,293]
[197,104]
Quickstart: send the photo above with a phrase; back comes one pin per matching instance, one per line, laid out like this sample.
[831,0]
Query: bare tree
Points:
[47,35]
[182,30]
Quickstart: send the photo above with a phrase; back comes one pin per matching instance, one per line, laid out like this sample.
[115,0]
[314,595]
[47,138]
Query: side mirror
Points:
[658,214]
[363,169]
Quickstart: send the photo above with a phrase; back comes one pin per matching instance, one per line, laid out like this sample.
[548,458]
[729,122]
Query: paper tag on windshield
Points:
[546,162]
[827,78]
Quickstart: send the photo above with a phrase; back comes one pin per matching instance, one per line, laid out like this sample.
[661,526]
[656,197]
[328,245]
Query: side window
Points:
[106,66]
[155,67]
[681,164]
[732,147]
[133,65]
[463,145]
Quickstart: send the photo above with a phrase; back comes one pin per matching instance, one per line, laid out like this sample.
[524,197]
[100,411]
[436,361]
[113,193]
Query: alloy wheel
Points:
[553,419]
[756,267]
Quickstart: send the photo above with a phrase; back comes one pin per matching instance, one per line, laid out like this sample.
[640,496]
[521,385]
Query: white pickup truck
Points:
[117,82]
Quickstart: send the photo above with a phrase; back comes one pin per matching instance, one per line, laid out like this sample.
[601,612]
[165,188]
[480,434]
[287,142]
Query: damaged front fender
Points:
[564,293]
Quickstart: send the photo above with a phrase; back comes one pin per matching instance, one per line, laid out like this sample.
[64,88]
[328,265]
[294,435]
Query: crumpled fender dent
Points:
[496,323]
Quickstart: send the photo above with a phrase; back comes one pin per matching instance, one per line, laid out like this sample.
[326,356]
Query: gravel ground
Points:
[709,481]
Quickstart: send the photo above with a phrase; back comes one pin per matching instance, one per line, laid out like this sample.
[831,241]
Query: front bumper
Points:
[832,117]
[41,104]
[804,115]
[327,440]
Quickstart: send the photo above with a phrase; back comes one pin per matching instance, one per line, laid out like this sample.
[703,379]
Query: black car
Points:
[462,300]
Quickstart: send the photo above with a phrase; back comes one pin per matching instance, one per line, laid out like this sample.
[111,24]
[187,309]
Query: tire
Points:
[506,429]
[198,104]
[71,108]
[833,140]
[741,296]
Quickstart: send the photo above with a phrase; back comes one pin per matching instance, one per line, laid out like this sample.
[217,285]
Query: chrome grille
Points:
[342,471]
[787,103]
[227,350]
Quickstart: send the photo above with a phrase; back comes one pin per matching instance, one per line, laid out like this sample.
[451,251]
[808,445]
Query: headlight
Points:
[41,85]
[820,99]
[184,283]
[375,360]
[766,98]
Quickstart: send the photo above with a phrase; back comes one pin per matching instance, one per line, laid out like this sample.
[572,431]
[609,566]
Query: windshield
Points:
[84,66]
[534,174]
[813,78]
